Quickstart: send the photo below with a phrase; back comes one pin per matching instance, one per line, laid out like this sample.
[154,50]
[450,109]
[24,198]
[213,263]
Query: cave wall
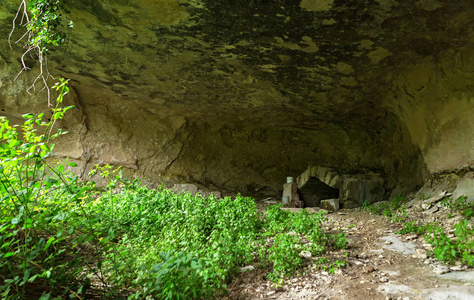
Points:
[237,95]
[435,99]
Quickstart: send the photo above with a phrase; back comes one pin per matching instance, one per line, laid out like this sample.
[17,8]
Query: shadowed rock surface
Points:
[237,95]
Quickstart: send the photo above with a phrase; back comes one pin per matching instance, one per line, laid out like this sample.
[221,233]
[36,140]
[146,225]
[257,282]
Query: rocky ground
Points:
[381,264]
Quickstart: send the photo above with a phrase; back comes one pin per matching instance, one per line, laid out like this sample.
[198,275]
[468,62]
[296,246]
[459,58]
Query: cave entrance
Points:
[314,190]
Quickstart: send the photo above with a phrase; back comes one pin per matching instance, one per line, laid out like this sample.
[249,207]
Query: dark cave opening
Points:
[314,190]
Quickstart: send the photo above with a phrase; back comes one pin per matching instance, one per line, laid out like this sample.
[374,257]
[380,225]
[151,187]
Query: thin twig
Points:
[22,4]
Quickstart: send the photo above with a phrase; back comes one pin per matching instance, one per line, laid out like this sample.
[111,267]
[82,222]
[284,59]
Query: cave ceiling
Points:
[183,89]
[305,63]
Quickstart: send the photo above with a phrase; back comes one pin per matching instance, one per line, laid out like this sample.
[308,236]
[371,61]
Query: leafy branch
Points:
[41,20]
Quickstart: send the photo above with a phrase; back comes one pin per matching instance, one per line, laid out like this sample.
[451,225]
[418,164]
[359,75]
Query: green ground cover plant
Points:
[460,205]
[446,249]
[325,264]
[394,209]
[62,236]
[293,233]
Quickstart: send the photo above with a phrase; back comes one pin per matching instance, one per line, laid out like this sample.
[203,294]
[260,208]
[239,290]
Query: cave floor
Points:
[381,265]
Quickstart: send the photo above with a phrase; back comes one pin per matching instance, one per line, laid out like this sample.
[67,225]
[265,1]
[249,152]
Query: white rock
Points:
[305,254]
[431,210]
[440,270]
[419,255]
[425,206]
[247,268]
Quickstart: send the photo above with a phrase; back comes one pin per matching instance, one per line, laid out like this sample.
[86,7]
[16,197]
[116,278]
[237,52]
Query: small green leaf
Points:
[27,116]
[51,180]
[45,296]
[110,234]
[26,276]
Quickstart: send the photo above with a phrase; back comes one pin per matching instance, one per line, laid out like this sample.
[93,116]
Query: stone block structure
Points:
[317,185]
[290,190]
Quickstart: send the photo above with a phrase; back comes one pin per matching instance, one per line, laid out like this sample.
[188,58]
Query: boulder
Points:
[330,204]
[465,187]
[358,189]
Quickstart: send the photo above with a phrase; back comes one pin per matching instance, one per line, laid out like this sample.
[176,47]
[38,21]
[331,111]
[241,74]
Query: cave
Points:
[315,190]
[235,97]
[353,102]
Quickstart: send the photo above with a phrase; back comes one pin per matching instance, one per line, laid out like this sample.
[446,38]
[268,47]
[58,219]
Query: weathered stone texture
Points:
[236,95]
[357,190]
[330,204]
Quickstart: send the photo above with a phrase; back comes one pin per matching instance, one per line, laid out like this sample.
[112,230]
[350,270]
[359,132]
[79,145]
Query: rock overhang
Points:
[184,90]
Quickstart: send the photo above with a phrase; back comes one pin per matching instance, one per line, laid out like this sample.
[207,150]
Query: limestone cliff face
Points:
[239,94]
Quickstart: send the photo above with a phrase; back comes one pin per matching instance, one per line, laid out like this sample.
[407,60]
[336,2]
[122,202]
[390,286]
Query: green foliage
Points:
[285,256]
[460,205]
[43,22]
[447,249]
[339,240]
[412,227]
[394,209]
[35,247]
[279,220]
[46,19]
[65,237]
[176,276]
[325,264]
[288,230]
[213,235]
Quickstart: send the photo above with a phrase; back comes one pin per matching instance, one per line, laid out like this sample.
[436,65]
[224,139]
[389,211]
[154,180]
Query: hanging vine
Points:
[43,24]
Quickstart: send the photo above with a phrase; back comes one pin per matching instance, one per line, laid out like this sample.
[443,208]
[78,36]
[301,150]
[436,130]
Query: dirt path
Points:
[381,265]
